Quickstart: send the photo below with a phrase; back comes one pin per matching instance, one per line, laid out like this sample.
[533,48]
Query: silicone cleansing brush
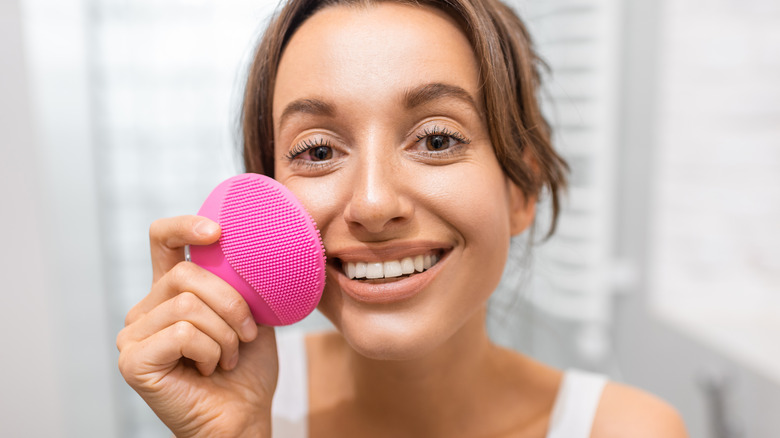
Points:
[270,250]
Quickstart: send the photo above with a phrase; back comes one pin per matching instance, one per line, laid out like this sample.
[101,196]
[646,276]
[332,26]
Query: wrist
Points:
[260,430]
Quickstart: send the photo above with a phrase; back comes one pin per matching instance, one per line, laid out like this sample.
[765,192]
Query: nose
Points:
[379,204]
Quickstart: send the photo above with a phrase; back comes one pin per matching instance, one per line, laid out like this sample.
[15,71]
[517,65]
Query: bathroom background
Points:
[665,272]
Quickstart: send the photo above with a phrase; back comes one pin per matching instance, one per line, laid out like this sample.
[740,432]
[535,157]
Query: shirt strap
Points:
[576,404]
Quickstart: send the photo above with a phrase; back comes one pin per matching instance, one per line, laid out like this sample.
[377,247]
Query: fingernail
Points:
[206,228]
[249,329]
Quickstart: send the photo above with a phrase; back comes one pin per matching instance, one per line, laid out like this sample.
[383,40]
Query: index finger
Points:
[168,236]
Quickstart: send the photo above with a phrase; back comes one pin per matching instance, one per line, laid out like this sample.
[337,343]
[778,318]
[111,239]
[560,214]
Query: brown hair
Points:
[510,77]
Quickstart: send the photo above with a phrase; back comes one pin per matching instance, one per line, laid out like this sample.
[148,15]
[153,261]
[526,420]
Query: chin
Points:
[386,345]
[392,336]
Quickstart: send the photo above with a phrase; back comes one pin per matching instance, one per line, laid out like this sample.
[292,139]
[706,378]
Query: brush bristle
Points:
[274,245]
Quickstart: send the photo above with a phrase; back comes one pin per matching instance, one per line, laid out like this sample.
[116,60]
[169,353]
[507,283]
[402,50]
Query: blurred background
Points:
[665,272]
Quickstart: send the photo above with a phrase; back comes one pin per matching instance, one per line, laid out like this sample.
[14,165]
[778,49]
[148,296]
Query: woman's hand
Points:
[180,346]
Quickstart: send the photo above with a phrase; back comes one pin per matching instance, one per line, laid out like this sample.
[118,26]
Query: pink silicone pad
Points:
[270,250]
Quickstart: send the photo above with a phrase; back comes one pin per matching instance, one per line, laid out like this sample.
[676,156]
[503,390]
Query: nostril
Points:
[376,206]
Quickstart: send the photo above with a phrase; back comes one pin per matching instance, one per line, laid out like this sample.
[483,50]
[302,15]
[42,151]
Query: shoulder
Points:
[627,411]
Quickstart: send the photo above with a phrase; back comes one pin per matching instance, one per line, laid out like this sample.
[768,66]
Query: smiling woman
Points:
[411,133]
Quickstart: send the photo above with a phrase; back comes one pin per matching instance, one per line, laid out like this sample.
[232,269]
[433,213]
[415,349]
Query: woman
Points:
[410,131]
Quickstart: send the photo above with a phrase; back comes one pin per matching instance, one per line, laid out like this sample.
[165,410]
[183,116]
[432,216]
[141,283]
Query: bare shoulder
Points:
[626,411]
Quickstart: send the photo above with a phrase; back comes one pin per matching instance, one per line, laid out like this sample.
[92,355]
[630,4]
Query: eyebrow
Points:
[412,98]
[314,107]
[423,94]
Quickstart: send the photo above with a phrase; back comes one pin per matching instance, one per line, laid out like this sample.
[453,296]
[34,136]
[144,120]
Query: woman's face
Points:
[380,131]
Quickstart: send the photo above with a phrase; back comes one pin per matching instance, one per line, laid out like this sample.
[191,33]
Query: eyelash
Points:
[305,146]
[443,132]
[302,148]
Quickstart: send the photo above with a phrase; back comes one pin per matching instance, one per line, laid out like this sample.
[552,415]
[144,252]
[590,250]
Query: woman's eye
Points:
[439,142]
[320,153]
[311,152]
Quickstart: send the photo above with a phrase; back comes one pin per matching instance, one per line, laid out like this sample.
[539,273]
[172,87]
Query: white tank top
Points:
[572,415]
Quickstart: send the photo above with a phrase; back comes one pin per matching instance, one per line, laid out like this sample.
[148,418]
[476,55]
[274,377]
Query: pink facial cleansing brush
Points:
[270,250]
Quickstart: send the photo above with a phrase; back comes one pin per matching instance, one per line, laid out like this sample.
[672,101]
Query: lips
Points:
[386,274]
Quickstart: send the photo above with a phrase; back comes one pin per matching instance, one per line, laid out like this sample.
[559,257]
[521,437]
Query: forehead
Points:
[369,54]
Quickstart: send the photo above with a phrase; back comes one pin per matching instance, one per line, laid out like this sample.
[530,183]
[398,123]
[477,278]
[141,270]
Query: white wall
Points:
[29,384]
[652,353]
[57,367]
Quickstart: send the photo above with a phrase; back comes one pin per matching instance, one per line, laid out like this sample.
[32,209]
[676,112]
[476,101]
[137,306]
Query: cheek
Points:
[473,200]
[476,207]
[322,197]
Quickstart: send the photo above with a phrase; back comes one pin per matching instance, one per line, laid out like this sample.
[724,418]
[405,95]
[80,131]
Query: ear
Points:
[522,209]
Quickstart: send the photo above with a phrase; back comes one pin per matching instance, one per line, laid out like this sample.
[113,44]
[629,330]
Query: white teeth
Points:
[360,269]
[418,264]
[390,269]
[374,270]
[407,265]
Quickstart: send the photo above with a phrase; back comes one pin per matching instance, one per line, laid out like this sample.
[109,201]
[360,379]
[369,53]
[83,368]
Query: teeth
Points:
[360,269]
[374,270]
[418,264]
[390,269]
[407,265]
